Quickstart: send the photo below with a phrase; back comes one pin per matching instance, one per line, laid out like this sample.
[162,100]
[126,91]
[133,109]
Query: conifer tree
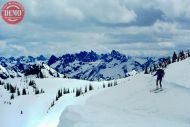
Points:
[155,68]
[150,69]
[169,60]
[109,84]
[12,96]
[18,92]
[12,89]
[68,91]
[73,90]
[24,91]
[64,91]
[115,83]
[42,91]
[78,92]
[86,90]
[188,53]
[182,55]
[32,83]
[174,58]
[146,70]
[8,87]
[90,87]
[37,91]
[57,98]
[53,103]
[104,85]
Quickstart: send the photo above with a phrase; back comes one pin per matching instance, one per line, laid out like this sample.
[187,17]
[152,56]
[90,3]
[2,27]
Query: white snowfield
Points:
[131,104]
[35,107]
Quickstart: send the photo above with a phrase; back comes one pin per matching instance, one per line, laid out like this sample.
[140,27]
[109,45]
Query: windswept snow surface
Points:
[131,104]
[179,73]
[35,107]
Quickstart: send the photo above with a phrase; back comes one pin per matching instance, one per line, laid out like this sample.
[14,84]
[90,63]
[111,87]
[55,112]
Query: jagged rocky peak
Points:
[26,59]
[38,58]
[87,56]
[83,56]
[52,60]
[117,55]
[41,58]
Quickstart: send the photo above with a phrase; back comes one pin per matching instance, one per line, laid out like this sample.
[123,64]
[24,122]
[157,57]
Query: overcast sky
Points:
[133,27]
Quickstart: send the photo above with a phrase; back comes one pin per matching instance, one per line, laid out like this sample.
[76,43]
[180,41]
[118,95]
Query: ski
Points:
[159,90]
[154,90]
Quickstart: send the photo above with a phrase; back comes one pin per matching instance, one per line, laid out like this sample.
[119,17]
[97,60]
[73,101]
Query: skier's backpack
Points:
[161,72]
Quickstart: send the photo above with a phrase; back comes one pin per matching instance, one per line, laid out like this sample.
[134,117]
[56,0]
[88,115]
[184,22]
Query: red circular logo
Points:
[12,12]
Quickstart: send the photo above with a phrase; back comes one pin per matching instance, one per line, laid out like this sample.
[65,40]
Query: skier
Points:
[160,74]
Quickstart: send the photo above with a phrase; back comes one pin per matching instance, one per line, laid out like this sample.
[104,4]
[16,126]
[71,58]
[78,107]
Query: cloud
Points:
[174,9]
[110,11]
[18,48]
[71,12]
[52,10]
[2,44]
[132,27]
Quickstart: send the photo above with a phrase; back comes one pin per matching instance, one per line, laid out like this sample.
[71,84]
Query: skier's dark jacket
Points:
[160,74]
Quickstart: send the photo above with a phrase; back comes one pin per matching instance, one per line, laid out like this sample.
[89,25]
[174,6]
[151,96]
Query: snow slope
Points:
[35,108]
[131,104]
[6,73]
[179,73]
[3,72]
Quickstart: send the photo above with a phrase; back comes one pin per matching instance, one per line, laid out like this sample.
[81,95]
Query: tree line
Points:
[165,61]
[16,91]
[78,91]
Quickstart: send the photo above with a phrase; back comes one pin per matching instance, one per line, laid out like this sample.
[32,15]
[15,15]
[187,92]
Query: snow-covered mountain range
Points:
[83,65]
[130,102]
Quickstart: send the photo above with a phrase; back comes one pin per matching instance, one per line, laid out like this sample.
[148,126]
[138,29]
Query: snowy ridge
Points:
[132,104]
[36,70]
[15,66]
[3,73]
[8,73]
[41,70]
